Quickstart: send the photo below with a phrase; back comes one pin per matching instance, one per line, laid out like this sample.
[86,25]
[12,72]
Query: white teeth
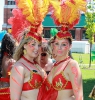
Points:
[35,52]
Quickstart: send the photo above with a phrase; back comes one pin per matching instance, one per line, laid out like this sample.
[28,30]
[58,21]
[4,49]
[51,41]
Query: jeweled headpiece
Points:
[66,15]
[30,15]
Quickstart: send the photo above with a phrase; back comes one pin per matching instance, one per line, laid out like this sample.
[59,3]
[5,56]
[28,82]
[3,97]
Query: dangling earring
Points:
[24,51]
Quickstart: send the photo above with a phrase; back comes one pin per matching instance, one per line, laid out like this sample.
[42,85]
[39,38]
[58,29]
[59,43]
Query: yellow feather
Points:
[69,12]
[34,10]
[79,5]
[44,8]
[27,7]
[57,9]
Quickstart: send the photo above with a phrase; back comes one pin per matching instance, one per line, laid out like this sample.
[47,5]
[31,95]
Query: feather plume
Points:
[34,10]
[68,11]
[18,24]
[30,15]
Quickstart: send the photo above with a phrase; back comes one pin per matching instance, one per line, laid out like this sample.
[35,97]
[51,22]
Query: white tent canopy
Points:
[80,47]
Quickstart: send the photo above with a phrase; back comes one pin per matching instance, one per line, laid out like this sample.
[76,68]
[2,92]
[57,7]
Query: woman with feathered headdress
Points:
[26,76]
[64,82]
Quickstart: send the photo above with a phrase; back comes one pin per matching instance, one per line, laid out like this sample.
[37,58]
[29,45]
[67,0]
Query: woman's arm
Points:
[76,80]
[16,82]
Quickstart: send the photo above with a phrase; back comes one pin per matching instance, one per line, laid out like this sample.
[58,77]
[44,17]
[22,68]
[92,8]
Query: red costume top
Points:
[35,82]
[59,82]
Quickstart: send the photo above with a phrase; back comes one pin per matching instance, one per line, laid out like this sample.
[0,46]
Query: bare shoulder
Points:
[18,65]
[73,63]
[73,67]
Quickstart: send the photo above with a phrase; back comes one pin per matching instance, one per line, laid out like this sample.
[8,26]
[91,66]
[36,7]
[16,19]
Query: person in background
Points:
[27,76]
[6,61]
[2,34]
[45,59]
[64,81]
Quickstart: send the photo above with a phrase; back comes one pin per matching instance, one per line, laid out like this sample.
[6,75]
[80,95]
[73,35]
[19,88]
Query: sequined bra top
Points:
[59,82]
[35,81]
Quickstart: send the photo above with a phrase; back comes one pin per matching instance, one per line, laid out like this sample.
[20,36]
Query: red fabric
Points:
[35,82]
[59,82]
[5,54]
[50,91]
[5,94]
[45,94]
[65,83]
[50,94]
[34,35]
[4,79]
[35,78]
[18,23]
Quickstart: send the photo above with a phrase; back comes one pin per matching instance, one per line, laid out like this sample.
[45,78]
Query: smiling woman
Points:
[27,76]
[64,82]
[45,58]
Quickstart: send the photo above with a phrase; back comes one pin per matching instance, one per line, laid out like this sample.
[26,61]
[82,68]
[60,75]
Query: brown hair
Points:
[19,50]
[52,41]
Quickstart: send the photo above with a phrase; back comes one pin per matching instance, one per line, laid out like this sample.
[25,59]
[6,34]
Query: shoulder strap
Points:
[63,68]
[32,66]
[66,65]
[25,66]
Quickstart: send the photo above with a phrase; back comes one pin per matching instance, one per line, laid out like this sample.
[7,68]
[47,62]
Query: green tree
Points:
[90,24]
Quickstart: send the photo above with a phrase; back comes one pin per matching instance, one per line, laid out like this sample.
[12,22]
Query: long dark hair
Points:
[7,46]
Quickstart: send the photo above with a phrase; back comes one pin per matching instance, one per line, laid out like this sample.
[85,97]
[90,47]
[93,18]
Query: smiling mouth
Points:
[59,51]
[36,53]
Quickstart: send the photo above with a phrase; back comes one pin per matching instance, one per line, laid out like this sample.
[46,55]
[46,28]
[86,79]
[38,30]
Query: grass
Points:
[82,57]
[88,82]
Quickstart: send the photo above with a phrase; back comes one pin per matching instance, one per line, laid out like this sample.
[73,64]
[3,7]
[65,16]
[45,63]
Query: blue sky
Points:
[1,12]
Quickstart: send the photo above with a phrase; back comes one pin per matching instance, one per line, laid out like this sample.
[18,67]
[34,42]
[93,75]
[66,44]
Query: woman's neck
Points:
[31,59]
[61,58]
[42,65]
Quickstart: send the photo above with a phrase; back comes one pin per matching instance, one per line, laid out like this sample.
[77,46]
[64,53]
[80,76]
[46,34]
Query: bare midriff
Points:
[65,95]
[30,95]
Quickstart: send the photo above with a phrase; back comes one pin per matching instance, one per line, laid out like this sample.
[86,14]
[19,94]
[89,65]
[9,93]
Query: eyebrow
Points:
[64,42]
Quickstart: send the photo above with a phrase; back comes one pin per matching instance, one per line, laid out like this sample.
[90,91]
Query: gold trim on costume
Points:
[37,84]
[3,93]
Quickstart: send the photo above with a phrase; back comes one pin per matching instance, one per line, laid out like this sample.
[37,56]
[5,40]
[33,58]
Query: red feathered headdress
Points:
[66,14]
[30,14]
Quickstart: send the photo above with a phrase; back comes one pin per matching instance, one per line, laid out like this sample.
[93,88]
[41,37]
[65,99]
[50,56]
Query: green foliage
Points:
[90,22]
[84,57]
[88,76]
